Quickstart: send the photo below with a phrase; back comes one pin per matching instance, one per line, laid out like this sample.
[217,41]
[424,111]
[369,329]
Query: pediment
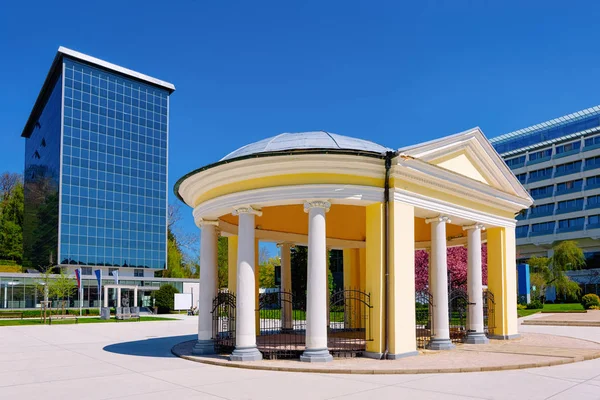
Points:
[471,155]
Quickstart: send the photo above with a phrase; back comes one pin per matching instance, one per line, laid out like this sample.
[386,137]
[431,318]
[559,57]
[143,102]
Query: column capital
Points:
[247,210]
[473,226]
[317,204]
[202,222]
[439,218]
[281,244]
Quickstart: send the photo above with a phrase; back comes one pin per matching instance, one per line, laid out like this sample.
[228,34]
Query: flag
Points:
[78,276]
[98,273]
[115,273]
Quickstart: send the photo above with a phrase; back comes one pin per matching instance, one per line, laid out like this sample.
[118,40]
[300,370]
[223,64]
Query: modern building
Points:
[558,162]
[377,205]
[96,169]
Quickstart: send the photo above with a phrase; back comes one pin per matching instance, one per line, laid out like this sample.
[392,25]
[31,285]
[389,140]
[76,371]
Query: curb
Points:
[561,323]
[255,366]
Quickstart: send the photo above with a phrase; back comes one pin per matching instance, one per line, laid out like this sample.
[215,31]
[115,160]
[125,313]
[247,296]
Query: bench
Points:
[122,313]
[11,314]
[63,318]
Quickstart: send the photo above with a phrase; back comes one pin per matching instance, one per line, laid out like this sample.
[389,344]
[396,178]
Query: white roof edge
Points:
[116,68]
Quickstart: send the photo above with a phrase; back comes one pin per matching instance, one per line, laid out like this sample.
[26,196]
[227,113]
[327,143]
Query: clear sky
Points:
[390,72]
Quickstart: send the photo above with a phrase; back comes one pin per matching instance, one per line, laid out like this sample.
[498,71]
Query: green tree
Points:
[11,223]
[266,272]
[223,262]
[567,256]
[164,298]
[61,288]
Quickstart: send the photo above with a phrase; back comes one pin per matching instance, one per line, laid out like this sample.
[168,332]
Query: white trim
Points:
[238,171]
[437,178]
[453,210]
[286,195]
[113,67]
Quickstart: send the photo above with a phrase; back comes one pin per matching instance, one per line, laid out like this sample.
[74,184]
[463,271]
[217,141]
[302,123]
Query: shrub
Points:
[521,307]
[590,300]
[594,308]
[535,305]
[549,302]
[165,298]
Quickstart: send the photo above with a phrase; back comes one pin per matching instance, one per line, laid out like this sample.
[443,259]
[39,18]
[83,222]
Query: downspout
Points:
[386,201]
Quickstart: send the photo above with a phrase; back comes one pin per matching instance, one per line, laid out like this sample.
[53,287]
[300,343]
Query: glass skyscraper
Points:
[96,168]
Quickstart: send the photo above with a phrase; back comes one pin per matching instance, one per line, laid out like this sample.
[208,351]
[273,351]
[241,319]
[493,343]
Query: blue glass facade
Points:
[96,168]
[114,184]
[41,183]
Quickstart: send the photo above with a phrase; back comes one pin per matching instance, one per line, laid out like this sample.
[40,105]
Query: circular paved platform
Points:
[530,351]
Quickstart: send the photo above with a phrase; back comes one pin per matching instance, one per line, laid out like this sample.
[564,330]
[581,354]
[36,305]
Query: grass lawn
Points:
[93,320]
[551,308]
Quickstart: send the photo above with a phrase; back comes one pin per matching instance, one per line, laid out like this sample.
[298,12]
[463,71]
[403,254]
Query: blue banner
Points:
[98,273]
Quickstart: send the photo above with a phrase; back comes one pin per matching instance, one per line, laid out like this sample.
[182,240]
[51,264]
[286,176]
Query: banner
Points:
[98,273]
[78,276]
[115,274]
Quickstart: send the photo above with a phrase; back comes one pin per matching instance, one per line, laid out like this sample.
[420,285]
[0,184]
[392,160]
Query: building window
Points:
[86,271]
[543,227]
[570,204]
[568,147]
[542,209]
[543,191]
[592,141]
[540,154]
[515,161]
[540,174]
[592,162]
[138,272]
[594,220]
[571,223]
[569,186]
[593,200]
[522,177]
[521,231]
[568,168]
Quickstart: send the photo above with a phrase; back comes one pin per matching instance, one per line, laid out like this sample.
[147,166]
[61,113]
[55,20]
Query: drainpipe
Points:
[386,201]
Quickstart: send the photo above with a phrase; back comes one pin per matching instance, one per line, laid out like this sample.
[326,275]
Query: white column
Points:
[475,331]
[208,286]
[135,296]
[118,297]
[245,335]
[316,286]
[286,287]
[439,268]
[105,296]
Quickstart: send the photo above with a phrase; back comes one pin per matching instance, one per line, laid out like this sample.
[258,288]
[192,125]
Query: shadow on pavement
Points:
[151,347]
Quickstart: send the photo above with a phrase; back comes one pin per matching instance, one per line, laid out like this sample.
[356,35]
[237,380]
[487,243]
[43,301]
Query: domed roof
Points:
[306,141]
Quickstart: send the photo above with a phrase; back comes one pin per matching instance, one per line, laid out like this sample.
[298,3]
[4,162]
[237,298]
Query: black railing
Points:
[282,325]
[349,327]
[458,304]
[223,318]
[489,306]
[424,318]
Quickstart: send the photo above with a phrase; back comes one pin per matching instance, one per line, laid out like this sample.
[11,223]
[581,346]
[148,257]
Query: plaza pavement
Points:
[134,361]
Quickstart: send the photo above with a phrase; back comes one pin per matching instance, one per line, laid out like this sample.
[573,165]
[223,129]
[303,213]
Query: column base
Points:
[441,344]
[316,355]
[204,347]
[476,338]
[245,354]
[398,356]
[372,354]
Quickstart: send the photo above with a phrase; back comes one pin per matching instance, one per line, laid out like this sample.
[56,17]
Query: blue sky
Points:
[389,72]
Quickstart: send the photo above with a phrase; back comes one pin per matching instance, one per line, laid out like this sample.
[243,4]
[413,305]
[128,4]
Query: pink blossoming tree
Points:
[457,266]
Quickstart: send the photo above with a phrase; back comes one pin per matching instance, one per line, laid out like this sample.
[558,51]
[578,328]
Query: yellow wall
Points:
[351,268]
[402,335]
[232,248]
[375,275]
[502,279]
[343,221]
[287,180]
